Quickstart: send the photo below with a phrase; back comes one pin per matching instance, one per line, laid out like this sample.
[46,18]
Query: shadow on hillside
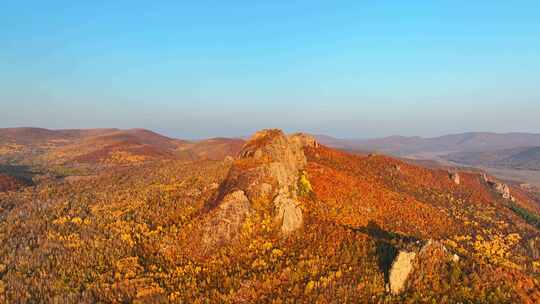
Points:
[377,233]
[387,244]
[21,172]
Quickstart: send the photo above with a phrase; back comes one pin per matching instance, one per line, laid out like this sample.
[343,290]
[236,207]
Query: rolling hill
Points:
[523,158]
[104,147]
[288,219]
[466,142]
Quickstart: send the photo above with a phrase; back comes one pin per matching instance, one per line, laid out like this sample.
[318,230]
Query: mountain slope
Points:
[104,147]
[287,220]
[213,148]
[28,135]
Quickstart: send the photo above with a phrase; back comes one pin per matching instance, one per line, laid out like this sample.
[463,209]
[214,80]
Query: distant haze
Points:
[194,69]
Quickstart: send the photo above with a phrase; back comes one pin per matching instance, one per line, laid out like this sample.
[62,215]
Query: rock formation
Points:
[502,189]
[278,160]
[288,213]
[264,177]
[401,268]
[498,187]
[413,261]
[454,176]
[226,220]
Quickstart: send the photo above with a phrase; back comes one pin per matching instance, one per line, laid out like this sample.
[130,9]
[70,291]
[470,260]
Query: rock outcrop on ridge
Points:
[264,177]
[498,187]
[454,176]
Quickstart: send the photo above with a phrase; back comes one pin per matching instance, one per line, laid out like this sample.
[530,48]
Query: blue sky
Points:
[224,68]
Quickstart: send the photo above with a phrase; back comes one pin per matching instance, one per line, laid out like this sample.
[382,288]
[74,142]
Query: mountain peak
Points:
[264,179]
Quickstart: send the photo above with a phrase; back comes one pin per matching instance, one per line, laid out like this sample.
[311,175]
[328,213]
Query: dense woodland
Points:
[125,231]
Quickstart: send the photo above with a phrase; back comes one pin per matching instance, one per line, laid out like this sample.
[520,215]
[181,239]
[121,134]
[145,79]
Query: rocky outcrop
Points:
[280,159]
[502,189]
[411,263]
[454,176]
[498,187]
[401,268]
[226,220]
[288,214]
[301,140]
[263,178]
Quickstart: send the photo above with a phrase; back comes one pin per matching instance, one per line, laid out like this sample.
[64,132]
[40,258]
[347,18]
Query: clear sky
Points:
[223,68]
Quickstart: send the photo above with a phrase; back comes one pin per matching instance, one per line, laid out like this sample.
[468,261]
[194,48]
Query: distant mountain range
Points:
[526,158]
[516,151]
[465,142]
[513,156]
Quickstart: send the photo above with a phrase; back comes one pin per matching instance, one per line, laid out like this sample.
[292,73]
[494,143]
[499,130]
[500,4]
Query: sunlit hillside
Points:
[282,219]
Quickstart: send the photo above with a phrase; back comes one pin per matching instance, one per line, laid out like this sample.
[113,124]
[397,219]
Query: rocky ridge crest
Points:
[264,177]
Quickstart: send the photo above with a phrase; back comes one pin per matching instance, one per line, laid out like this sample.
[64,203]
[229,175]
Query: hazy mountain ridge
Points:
[464,142]
[510,156]
[524,158]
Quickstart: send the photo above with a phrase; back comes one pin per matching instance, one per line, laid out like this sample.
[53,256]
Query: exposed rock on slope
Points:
[226,219]
[499,187]
[278,161]
[400,271]
[502,189]
[454,176]
[264,178]
[288,213]
[409,264]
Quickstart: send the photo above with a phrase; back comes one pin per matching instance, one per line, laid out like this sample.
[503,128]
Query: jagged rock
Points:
[283,174]
[400,270]
[504,190]
[264,176]
[302,140]
[500,188]
[412,261]
[226,220]
[454,176]
[282,158]
[288,213]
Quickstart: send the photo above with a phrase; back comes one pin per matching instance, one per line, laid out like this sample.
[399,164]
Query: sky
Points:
[194,69]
